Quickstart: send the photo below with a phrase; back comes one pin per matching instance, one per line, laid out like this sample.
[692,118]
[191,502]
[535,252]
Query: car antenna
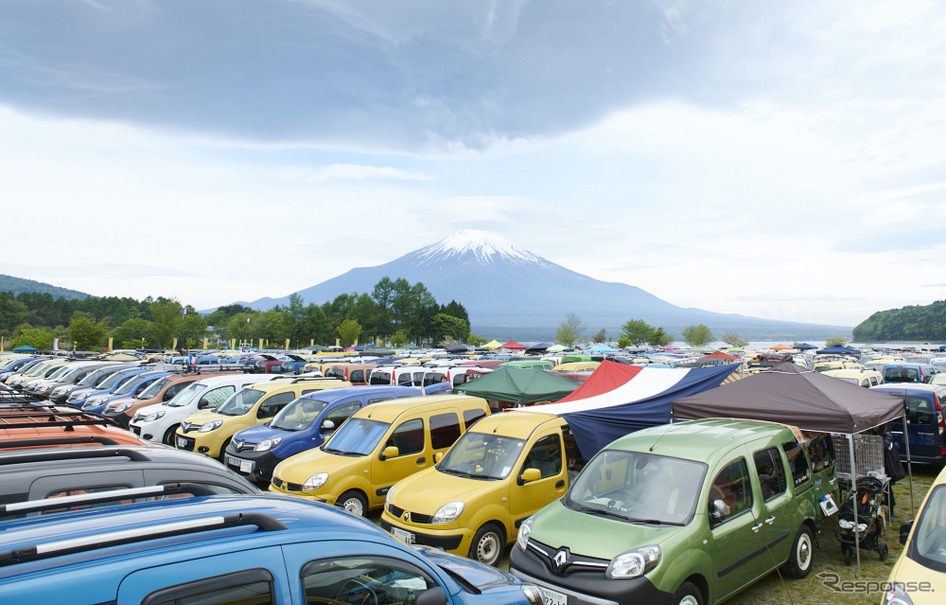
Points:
[667,428]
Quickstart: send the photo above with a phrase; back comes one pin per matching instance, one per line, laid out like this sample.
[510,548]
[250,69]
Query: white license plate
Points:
[404,536]
[246,466]
[181,442]
[552,597]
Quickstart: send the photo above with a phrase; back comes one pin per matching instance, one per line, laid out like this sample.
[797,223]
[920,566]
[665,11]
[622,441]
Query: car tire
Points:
[802,555]
[688,594]
[169,435]
[354,502]
[222,456]
[488,544]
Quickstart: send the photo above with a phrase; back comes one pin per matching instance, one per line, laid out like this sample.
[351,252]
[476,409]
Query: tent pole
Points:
[906,440]
[857,535]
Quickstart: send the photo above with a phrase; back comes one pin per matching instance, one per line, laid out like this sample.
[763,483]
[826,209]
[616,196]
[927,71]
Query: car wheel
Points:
[169,435]
[882,552]
[688,594]
[488,544]
[222,456]
[353,502]
[799,562]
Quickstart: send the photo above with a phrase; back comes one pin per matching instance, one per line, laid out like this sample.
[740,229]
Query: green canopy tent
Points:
[520,386]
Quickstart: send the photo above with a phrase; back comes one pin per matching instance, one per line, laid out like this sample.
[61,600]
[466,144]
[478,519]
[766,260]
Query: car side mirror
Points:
[438,456]
[719,509]
[431,596]
[328,426]
[905,528]
[529,475]
[167,396]
[389,452]
[203,404]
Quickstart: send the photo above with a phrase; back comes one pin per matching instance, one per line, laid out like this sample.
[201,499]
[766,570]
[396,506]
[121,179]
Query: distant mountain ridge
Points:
[8,283]
[512,291]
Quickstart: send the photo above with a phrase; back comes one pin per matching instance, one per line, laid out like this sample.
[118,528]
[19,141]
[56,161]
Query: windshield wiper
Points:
[652,521]
[600,512]
[341,452]
[453,471]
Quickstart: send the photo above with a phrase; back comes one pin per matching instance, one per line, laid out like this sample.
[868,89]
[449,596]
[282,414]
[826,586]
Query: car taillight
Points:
[939,416]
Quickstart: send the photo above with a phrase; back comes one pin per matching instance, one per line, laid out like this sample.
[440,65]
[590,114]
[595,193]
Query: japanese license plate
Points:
[181,442]
[404,536]
[246,466]
[552,597]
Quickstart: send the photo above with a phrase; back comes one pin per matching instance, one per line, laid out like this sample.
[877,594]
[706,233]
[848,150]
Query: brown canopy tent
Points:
[790,394]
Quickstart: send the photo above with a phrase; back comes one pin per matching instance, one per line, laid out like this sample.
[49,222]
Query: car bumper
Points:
[256,466]
[277,487]
[451,540]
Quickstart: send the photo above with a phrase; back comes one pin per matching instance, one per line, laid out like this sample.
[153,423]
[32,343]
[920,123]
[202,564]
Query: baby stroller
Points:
[871,524]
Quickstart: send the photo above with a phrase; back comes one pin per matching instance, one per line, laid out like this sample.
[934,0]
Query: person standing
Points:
[892,466]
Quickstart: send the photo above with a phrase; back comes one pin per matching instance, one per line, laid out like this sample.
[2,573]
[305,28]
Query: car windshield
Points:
[240,402]
[93,378]
[638,487]
[928,547]
[128,385]
[357,437]
[298,414]
[186,395]
[59,373]
[114,379]
[71,372]
[482,456]
[156,387]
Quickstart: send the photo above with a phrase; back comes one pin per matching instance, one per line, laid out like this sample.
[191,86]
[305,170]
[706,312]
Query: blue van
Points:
[925,422]
[909,372]
[131,386]
[302,425]
[232,549]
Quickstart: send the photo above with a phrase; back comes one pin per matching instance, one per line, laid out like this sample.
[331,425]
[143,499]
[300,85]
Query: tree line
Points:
[918,322]
[395,312]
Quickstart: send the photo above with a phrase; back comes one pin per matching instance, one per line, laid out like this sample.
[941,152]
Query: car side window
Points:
[919,410]
[471,416]
[379,399]
[272,405]
[248,586]
[214,398]
[768,465]
[731,486]
[408,438]
[797,462]
[821,451]
[546,455]
[444,430]
[342,412]
[363,580]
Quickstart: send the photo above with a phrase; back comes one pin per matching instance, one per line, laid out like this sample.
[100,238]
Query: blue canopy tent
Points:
[839,350]
[805,346]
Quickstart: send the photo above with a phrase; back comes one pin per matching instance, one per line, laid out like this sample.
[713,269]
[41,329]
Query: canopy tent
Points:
[518,385]
[791,394]
[456,349]
[541,346]
[512,345]
[493,344]
[556,348]
[839,350]
[805,346]
[779,347]
[720,355]
[618,399]
[25,349]
[602,349]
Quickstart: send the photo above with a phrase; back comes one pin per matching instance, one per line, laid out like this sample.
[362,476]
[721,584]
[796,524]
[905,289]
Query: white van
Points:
[160,421]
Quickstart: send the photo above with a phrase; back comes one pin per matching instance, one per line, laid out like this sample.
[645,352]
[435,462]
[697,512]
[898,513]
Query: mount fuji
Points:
[513,292]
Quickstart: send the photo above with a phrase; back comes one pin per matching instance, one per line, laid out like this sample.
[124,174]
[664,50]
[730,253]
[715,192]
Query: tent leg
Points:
[857,535]
[906,440]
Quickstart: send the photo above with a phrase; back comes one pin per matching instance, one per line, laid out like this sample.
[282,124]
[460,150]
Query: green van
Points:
[686,513]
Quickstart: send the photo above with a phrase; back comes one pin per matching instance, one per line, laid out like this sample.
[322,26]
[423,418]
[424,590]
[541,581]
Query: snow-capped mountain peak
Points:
[485,247]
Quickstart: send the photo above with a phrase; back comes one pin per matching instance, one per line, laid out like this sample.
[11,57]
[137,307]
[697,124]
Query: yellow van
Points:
[208,432]
[378,445]
[861,377]
[499,473]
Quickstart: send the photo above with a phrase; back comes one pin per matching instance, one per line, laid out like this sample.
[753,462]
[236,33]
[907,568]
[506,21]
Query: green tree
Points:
[476,341]
[129,335]
[166,315]
[659,338]
[835,341]
[697,335]
[635,332]
[239,327]
[193,329]
[447,326]
[349,331]
[600,336]
[398,339]
[34,337]
[570,330]
[733,339]
[85,332]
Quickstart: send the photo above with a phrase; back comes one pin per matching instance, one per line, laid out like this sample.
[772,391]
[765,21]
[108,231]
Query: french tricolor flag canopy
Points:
[618,399]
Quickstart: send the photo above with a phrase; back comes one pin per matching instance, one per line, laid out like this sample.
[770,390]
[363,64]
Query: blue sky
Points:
[780,160]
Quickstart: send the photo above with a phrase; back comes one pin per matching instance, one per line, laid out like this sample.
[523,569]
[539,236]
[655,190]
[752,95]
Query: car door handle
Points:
[559,483]
[770,520]
[422,460]
[756,528]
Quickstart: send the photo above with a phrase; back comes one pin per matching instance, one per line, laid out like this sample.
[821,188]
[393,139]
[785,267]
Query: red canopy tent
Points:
[607,377]
[513,345]
[720,355]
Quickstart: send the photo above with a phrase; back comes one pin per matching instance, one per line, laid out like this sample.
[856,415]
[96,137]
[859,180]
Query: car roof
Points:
[332,395]
[916,387]
[388,411]
[699,439]
[304,383]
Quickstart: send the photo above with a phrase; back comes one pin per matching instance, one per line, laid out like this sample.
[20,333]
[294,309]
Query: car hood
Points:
[298,468]
[426,491]
[206,416]
[257,433]
[479,575]
[593,536]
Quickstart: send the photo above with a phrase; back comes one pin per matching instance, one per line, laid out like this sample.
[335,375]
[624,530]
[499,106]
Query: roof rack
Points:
[57,441]
[117,495]
[315,379]
[10,397]
[27,456]
[22,419]
[138,534]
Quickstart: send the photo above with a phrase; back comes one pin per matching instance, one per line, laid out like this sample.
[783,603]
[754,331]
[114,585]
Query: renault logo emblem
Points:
[560,560]
[406,516]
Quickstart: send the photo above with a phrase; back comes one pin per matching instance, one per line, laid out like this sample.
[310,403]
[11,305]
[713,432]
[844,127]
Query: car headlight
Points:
[93,401]
[315,482]
[79,397]
[121,407]
[387,497]
[533,594]
[524,530]
[151,416]
[210,426]
[448,512]
[633,563]
[896,594]
[59,391]
[267,444]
